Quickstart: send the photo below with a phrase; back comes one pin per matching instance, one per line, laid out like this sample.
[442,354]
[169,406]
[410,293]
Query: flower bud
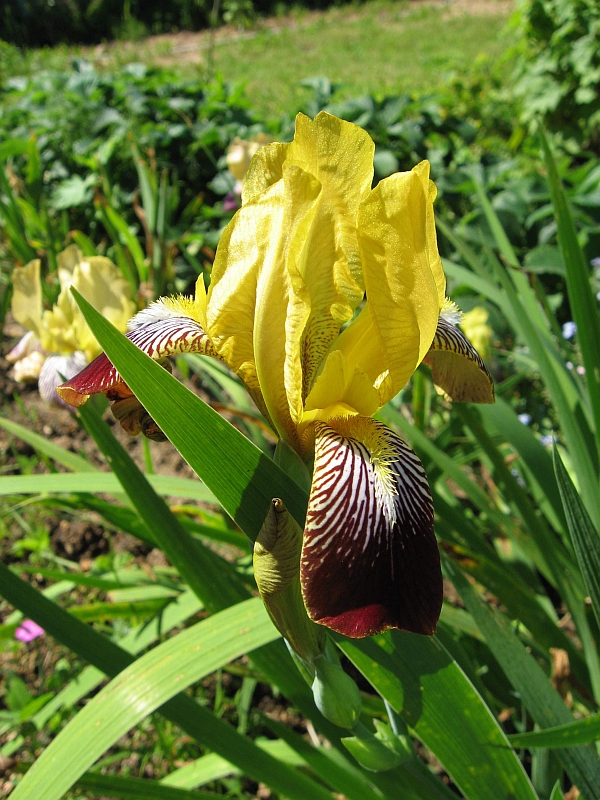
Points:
[336,695]
[277,572]
[378,752]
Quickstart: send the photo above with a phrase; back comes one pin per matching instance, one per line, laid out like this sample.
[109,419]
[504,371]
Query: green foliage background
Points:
[130,162]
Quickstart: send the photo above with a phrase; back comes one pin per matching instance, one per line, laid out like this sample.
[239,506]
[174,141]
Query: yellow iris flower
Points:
[325,297]
[59,341]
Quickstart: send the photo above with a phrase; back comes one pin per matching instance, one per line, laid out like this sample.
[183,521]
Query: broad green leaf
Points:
[105,482]
[423,684]
[213,579]
[143,687]
[586,540]
[582,731]
[45,445]
[242,478]
[193,718]
[528,679]
[584,307]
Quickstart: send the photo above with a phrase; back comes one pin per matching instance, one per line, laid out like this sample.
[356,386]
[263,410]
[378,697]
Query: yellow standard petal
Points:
[340,156]
[26,304]
[257,305]
[394,330]
[435,262]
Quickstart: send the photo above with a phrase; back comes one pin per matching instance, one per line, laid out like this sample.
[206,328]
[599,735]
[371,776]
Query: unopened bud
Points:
[277,571]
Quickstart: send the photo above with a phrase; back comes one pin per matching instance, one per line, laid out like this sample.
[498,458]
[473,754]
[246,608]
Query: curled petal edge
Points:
[159,339]
[457,368]
[369,558]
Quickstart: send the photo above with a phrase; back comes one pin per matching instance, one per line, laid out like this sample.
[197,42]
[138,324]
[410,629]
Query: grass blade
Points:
[44,445]
[115,786]
[105,482]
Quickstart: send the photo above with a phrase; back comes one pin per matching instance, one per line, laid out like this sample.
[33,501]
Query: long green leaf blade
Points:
[242,478]
[44,445]
[115,786]
[105,482]
[527,677]
[584,307]
[586,540]
[582,731]
[140,689]
[423,684]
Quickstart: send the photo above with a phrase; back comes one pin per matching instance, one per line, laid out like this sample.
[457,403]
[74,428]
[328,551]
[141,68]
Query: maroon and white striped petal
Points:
[370,559]
[164,337]
[457,368]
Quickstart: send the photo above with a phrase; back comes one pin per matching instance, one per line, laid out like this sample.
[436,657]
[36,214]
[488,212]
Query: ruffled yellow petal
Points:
[394,330]
[435,262]
[340,156]
[266,168]
[257,303]
[26,304]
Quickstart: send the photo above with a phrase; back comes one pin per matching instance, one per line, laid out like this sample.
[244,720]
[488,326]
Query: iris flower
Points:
[58,340]
[325,297]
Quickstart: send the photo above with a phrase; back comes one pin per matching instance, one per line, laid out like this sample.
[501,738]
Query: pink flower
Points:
[28,631]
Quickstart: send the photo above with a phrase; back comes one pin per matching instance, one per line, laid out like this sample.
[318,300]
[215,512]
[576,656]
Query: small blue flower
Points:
[525,419]
[569,329]
[547,440]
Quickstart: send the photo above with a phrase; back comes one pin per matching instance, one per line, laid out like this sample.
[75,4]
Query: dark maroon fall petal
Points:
[370,559]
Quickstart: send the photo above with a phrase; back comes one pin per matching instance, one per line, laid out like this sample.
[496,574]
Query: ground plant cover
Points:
[325,523]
